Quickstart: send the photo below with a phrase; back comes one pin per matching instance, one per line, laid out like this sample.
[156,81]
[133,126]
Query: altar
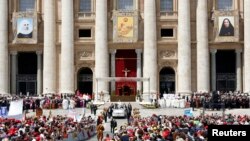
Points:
[126,90]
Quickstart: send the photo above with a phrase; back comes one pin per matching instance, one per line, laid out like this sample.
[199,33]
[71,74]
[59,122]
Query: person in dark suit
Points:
[113,125]
[227,28]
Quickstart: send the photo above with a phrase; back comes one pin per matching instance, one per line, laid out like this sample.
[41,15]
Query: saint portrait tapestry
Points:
[125,27]
[226,26]
[25,28]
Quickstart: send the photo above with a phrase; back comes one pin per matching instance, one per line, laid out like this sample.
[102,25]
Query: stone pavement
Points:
[144,112]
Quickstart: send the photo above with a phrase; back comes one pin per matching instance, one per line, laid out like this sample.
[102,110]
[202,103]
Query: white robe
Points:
[72,104]
[65,104]
[182,103]
[168,103]
[162,103]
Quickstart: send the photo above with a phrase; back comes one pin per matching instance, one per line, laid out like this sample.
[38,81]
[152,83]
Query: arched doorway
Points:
[167,80]
[85,80]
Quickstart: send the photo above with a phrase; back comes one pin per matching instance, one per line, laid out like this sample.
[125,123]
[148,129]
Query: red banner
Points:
[125,67]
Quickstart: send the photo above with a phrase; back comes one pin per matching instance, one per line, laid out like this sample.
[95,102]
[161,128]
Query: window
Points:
[224,4]
[167,32]
[125,4]
[166,5]
[84,33]
[26,5]
[85,5]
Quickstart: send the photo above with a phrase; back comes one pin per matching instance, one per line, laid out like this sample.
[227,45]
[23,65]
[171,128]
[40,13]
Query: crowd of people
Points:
[213,100]
[137,128]
[55,102]
[220,100]
[56,128]
[173,128]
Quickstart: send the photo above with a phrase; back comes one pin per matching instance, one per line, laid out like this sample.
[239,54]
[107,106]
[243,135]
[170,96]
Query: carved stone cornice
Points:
[85,55]
[168,63]
[166,54]
[89,64]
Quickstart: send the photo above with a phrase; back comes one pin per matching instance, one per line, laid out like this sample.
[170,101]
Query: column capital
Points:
[13,52]
[238,50]
[138,51]
[213,51]
[39,52]
[112,51]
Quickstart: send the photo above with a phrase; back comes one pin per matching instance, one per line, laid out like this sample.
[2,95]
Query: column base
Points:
[5,94]
[67,94]
[185,94]
[103,96]
[146,98]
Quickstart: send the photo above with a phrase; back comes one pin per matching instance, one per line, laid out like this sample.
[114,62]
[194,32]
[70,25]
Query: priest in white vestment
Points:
[65,104]
[72,104]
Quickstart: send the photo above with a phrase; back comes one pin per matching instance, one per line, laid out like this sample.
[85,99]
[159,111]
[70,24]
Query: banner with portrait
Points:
[125,27]
[226,27]
[24,28]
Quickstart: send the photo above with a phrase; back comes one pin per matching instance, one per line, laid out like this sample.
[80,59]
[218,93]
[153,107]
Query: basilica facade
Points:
[124,47]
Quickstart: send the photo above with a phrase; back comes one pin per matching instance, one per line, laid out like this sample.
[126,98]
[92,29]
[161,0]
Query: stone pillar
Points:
[203,78]
[138,69]
[113,52]
[39,72]
[150,50]
[213,69]
[13,71]
[238,70]
[246,46]
[101,46]
[4,56]
[67,49]
[184,48]
[49,56]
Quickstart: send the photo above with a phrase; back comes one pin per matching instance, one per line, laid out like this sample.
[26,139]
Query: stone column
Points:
[13,71]
[238,70]
[138,69]
[101,46]
[113,52]
[203,77]
[246,46]
[4,56]
[49,56]
[150,50]
[67,49]
[184,48]
[39,72]
[213,69]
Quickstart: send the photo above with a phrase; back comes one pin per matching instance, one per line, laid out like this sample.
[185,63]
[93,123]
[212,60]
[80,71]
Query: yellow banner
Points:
[125,27]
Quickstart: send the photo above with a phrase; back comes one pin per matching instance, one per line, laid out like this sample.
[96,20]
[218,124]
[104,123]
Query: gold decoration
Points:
[125,26]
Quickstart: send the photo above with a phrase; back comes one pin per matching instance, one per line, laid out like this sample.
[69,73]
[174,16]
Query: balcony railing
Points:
[169,77]
[226,76]
[86,15]
[85,78]
[26,77]
[168,14]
